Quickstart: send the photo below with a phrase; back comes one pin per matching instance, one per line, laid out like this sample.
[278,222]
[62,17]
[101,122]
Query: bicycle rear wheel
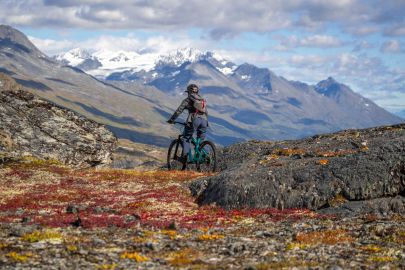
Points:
[174,156]
[208,160]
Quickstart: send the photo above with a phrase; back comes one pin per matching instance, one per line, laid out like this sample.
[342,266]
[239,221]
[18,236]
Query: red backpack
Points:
[199,103]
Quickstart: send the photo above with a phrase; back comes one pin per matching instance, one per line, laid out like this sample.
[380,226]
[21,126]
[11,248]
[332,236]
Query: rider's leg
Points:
[187,135]
[202,128]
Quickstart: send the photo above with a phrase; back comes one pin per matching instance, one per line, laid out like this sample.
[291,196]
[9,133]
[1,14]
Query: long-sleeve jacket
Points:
[187,104]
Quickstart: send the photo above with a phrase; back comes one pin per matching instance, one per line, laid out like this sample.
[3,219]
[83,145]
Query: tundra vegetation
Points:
[53,216]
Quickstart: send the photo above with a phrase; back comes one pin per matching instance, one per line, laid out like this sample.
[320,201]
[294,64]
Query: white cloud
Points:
[315,41]
[51,47]
[320,41]
[363,30]
[391,46]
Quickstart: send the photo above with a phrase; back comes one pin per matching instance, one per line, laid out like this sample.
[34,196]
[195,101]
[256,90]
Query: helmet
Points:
[192,88]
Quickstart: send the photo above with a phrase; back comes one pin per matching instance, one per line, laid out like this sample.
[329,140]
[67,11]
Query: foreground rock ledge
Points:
[31,126]
[349,172]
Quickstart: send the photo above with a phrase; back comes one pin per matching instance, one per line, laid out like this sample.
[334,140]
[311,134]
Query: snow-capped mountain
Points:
[111,64]
[74,57]
[179,57]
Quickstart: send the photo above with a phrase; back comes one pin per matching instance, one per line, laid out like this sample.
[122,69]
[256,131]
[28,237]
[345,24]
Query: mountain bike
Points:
[202,154]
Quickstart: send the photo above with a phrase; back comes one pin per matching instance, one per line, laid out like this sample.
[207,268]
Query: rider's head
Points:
[192,89]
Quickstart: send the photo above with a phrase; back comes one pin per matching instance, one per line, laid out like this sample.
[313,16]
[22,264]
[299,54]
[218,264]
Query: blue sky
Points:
[359,43]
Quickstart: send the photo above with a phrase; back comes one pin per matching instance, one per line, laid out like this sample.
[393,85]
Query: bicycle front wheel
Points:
[208,159]
[174,156]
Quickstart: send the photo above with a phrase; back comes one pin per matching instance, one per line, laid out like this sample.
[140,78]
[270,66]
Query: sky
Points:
[360,43]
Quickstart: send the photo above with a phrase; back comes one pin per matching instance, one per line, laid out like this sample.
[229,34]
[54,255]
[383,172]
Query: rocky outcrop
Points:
[350,172]
[30,126]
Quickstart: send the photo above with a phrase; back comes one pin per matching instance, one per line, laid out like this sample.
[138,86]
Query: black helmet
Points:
[192,88]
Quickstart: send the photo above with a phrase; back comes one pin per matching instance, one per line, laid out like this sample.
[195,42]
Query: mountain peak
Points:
[329,87]
[11,37]
[180,56]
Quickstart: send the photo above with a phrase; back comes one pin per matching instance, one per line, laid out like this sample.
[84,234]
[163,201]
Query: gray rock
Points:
[31,126]
[354,180]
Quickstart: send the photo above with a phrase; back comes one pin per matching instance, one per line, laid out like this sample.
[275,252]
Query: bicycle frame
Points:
[198,155]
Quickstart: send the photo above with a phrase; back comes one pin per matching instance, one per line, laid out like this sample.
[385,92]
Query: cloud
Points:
[362,45]
[50,46]
[219,19]
[395,30]
[154,44]
[363,30]
[391,46]
[314,41]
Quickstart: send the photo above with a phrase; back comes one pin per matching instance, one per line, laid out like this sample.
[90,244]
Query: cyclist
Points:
[197,119]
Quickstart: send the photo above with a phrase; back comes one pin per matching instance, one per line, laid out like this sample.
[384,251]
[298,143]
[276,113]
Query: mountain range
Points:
[134,93]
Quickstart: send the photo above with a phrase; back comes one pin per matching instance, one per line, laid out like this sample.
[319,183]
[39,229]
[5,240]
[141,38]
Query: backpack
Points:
[199,103]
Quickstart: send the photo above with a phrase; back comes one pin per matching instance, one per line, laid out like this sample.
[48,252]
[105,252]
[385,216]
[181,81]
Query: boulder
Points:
[31,126]
[353,171]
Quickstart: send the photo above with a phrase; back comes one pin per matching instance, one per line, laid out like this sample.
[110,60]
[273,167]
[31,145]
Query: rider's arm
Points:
[179,110]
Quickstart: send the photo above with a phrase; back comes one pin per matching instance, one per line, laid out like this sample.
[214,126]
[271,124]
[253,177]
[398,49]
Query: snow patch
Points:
[226,70]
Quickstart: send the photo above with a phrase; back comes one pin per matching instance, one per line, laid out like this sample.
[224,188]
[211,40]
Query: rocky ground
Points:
[53,217]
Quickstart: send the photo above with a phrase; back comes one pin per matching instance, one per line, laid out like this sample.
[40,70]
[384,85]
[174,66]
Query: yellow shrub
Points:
[323,161]
[134,256]
[337,200]
[19,257]
[371,248]
[208,237]
[182,257]
[171,233]
[71,248]
[382,259]
[328,237]
[292,246]
[37,236]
